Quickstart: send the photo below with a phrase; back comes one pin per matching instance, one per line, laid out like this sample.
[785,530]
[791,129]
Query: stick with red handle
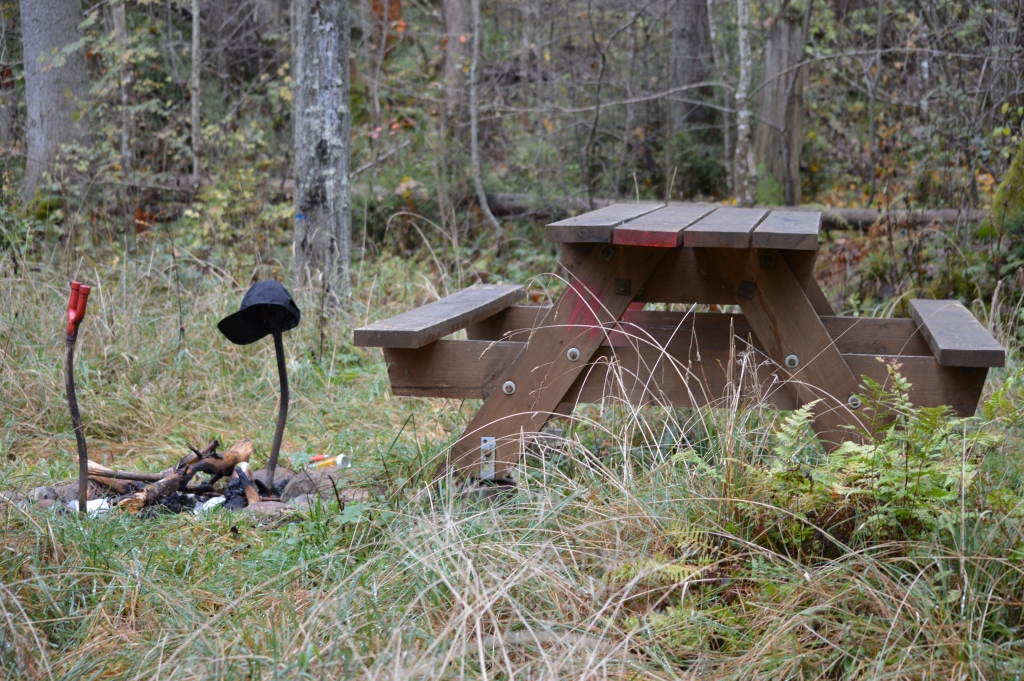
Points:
[76,313]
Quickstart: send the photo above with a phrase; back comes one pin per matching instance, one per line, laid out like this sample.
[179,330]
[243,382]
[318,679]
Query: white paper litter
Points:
[208,504]
[93,507]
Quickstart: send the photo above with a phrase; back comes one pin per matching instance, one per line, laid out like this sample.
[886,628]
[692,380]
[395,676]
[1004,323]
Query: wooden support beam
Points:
[955,336]
[435,320]
[674,330]
[543,372]
[646,375]
[775,306]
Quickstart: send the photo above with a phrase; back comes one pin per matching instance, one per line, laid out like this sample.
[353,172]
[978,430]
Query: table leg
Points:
[785,322]
[535,384]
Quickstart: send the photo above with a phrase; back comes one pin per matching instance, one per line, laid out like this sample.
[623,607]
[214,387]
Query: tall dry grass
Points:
[639,544]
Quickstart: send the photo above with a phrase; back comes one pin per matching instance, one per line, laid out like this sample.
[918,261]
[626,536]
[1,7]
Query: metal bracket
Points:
[487,452]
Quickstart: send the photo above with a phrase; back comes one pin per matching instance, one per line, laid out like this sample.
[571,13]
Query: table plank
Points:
[597,226]
[662,228]
[725,228]
[955,336]
[416,328]
[788,230]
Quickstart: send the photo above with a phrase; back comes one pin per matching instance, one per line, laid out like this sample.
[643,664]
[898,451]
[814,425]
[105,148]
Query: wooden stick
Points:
[76,420]
[282,414]
[96,470]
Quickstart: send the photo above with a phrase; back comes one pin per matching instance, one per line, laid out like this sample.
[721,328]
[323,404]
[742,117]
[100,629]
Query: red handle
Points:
[76,305]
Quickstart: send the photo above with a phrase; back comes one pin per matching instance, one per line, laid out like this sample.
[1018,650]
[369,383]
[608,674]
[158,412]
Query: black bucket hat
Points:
[267,307]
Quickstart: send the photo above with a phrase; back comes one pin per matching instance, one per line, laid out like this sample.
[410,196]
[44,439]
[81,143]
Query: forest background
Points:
[149,148]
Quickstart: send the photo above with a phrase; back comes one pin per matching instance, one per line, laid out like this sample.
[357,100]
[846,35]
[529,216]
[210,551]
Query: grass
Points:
[650,544]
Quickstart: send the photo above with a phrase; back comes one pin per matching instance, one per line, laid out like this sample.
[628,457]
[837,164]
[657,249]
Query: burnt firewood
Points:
[153,494]
[221,465]
[197,455]
[252,495]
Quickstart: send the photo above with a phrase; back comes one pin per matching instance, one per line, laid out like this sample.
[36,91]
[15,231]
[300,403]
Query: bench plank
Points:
[597,226]
[788,230]
[662,228]
[955,336]
[416,328]
[725,228]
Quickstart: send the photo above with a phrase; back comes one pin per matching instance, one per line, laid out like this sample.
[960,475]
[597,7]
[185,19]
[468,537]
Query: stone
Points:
[41,493]
[282,476]
[267,508]
[44,504]
[321,481]
[11,498]
[303,502]
[69,491]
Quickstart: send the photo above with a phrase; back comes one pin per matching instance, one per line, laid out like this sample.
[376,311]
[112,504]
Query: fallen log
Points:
[553,208]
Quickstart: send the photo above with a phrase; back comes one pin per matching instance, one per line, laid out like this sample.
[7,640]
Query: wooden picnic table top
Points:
[692,225]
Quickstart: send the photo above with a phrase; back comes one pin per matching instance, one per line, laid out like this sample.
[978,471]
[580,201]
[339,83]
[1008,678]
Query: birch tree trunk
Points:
[744,167]
[125,75]
[197,61]
[456,33]
[53,90]
[322,245]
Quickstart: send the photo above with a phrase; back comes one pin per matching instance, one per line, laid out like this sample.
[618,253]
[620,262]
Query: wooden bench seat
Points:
[435,320]
[955,336]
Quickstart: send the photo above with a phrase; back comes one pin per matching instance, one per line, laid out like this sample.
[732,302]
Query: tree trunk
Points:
[197,61]
[872,86]
[782,107]
[8,90]
[474,142]
[456,41]
[53,90]
[690,60]
[322,245]
[717,54]
[125,74]
[744,167]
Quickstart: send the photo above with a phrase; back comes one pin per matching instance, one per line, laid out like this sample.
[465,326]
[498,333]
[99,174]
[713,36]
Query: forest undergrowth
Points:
[637,544]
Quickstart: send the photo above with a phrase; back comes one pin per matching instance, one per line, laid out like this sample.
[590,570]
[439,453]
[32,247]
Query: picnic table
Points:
[596,343]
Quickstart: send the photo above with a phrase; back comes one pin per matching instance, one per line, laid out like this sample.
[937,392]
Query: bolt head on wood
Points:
[508,388]
[854,402]
[792,362]
[573,354]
